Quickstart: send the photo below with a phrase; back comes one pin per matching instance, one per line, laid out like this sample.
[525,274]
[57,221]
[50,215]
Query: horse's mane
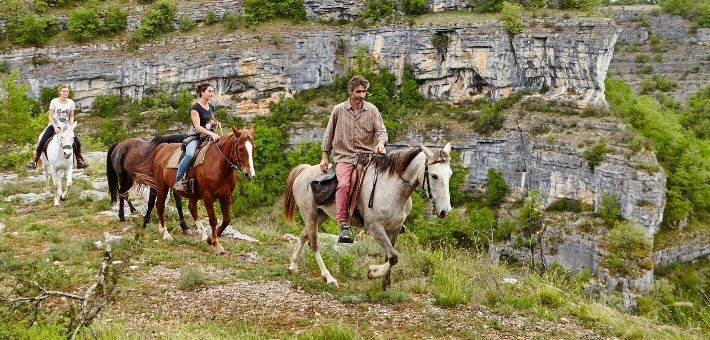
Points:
[398,161]
[167,139]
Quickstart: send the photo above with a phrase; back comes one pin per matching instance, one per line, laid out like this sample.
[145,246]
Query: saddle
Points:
[197,160]
[324,186]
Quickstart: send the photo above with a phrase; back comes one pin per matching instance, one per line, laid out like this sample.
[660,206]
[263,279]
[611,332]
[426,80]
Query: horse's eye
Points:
[434,176]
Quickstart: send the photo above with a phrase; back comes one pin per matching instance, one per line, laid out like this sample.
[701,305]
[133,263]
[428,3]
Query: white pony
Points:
[399,173]
[59,160]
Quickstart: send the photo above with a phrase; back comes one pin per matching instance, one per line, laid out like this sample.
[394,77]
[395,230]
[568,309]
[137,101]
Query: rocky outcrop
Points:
[448,5]
[480,59]
[687,251]
[653,42]
[335,10]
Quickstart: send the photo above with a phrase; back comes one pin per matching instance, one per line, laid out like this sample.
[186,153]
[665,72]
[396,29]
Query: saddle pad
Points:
[175,157]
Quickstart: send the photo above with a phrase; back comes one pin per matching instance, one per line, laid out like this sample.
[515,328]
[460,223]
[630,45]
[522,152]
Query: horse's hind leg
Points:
[213,240]
[178,205]
[161,197]
[302,240]
[151,204]
[192,206]
[69,174]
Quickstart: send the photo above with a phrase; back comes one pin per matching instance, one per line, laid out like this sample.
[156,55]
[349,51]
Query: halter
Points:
[425,180]
[238,166]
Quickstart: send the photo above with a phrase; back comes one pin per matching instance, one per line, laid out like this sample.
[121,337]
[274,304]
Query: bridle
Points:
[232,153]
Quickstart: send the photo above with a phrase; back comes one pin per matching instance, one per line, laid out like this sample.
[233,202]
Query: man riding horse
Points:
[355,128]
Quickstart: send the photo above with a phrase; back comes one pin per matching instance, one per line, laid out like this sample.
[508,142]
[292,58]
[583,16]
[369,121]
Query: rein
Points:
[426,180]
[238,166]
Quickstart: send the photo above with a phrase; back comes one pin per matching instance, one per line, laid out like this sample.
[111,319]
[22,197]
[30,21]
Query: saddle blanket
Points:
[175,157]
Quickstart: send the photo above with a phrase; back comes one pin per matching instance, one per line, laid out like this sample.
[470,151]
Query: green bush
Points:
[106,106]
[595,155]
[483,223]
[449,231]
[628,240]
[642,58]
[457,195]
[376,10]
[529,219]
[232,21]
[115,20]
[609,209]
[440,42]
[19,120]
[210,18]
[186,23]
[157,21]
[696,11]
[256,11]
[84,24]
[491,6]
[657,83]
[511,18]
[191,278]
[496,188]
[566,204]
[683,157]
[415,7]
[695,116]
[34,30]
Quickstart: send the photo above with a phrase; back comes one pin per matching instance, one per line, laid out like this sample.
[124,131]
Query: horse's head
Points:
[243,152]
[66,139]
[439,173]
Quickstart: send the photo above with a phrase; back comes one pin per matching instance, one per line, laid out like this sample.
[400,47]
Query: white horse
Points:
[59,160]
[399,174]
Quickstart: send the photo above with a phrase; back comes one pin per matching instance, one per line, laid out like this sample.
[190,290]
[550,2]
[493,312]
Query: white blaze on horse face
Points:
[249,148]
[440,174]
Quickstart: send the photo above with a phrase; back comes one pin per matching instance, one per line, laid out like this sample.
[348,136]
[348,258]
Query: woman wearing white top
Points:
[61,111]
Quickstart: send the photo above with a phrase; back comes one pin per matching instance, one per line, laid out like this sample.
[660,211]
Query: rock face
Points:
[653,42]
[334,9]
[686,252]
[480,59]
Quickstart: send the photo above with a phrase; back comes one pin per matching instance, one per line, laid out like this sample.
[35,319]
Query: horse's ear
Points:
[447,148]
[236,132]
[251,132]
[426,151]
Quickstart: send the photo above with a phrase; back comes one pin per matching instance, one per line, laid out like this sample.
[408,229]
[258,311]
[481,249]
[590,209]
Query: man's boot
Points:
[80,163]
[344,236]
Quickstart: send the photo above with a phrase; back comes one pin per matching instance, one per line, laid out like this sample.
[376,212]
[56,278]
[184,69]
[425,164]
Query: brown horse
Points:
[126,154]
[215,179]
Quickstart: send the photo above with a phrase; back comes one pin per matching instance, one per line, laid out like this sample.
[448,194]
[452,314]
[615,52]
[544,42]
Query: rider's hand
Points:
[215,137]
[56,129]
[324,165]
[380,149]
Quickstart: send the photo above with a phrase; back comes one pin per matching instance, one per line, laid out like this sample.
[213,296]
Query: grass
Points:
[423,279]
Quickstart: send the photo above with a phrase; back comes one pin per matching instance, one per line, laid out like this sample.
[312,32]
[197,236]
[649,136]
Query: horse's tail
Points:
[142,172]
[166,139]
[289,200]
[111,175]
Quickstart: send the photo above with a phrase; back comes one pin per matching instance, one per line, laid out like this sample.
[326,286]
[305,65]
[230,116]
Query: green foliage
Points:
[410,88]
[186,23]
[595,155]
[256,11]
[529,219]
[451,230]
[679,296]
[328,332]
[642,58]
[696,11]
[496,188]
[566,204]
[483,223]
[415,7]
[84,24]
[457,195]
[183,102]
[233,21]
[18,119]
[115,20]
[376,10]
[491,6]
[112,131]
[210,18]
[440,42]
[191,278]
[684,158]
[33,30]
[657,83]
[106,106]
[628,240]
[696,116]
[157,21]
[451,286]
[511,17]
[609,209]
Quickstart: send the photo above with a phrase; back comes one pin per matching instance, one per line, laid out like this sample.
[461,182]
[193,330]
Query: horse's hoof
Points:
[370,275]
[56,204]
[220,251]
[293,269]
[204,238]
[187,232]
[62,198]
[332,282]
[168,237]
[209,240]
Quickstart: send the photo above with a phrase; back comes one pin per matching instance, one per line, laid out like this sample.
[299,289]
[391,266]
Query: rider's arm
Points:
[380,130]
[50,112]
[71,116]
[327,143]
[195,117]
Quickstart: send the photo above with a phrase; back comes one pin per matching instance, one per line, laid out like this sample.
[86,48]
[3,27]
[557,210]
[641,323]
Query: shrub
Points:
[529,219]
[415,7]
[457,195]
[440,42]
[492,6]
[376,10]
[157,21]
[496,188]
[482,225]
[642,58]
[627,240]
[451,287]
[183,102]
[186,23]
[19,120]
[191,278]
[115,20]
[210,18]
[511,18]
[256,11]
[84,24]
[34,30]
[232,21]
[106,106]
[609,209]
[595,155]
[657,82]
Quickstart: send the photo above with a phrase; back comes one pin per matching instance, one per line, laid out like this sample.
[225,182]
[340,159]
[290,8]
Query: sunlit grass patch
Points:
[191,278]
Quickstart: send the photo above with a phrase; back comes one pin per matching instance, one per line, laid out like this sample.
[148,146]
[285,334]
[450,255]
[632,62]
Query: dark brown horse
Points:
[128,153]
[215,179]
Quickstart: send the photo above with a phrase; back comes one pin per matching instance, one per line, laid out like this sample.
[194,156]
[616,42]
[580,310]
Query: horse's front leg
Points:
[69,173]
[57,182]
[379,270]
[224,204]
[192,206]
[213,240]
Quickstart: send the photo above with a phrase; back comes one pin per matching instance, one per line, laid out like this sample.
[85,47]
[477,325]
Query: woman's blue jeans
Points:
[185,161]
